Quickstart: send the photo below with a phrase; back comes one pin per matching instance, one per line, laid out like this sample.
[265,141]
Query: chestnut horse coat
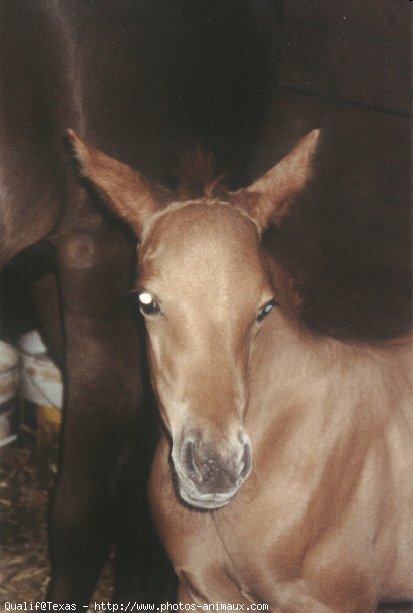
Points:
[283,477]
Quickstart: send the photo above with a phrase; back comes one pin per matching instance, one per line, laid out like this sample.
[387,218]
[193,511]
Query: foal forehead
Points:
[199,231]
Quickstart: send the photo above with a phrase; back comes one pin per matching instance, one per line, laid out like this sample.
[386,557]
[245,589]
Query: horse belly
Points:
[34,112]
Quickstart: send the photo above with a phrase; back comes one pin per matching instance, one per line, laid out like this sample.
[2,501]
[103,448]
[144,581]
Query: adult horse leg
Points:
[104,394]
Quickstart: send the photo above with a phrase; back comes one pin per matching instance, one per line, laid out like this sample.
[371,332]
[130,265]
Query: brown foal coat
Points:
[284,476]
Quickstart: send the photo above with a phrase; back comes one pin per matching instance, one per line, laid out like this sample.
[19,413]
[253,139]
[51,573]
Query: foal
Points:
[284,474]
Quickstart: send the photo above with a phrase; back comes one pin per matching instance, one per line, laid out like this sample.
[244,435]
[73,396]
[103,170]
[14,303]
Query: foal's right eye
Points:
[147,305]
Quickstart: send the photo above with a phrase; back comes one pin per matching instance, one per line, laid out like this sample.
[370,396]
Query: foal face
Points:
[203,290]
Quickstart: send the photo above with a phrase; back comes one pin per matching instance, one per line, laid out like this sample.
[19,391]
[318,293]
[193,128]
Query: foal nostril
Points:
[246,460]
[189,458]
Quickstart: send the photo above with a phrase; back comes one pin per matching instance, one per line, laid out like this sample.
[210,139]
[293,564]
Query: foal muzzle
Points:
[209,477]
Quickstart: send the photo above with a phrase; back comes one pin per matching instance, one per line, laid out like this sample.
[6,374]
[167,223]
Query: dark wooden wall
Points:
[354,50]
[345,67]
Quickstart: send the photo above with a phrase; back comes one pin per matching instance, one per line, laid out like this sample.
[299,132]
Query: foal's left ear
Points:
[122,189]
[268,200]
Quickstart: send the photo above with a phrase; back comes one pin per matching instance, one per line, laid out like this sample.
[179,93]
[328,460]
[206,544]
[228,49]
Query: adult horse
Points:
[291,451]
[177,73]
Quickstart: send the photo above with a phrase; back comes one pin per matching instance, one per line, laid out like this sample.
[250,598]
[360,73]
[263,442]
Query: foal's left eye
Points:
[147,304]
[267,308]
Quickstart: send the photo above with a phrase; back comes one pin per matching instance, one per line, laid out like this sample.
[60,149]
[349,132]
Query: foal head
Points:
[204,291]
[203,287]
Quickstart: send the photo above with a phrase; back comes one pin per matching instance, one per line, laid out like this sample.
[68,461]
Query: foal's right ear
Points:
[122,189]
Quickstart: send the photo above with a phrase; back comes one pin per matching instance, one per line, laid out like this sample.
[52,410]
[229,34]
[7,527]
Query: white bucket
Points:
[9,386]
[41,381]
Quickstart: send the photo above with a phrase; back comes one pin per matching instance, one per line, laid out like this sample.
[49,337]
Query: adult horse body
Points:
[112,69]
[292,452]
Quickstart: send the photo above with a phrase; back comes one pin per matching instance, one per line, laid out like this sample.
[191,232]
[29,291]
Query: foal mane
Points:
[197,177]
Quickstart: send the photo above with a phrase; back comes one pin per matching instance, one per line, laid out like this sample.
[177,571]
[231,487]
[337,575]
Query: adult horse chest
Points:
[283,476]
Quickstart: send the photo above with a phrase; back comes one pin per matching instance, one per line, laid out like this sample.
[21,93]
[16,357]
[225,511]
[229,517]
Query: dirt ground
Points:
[26,475]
